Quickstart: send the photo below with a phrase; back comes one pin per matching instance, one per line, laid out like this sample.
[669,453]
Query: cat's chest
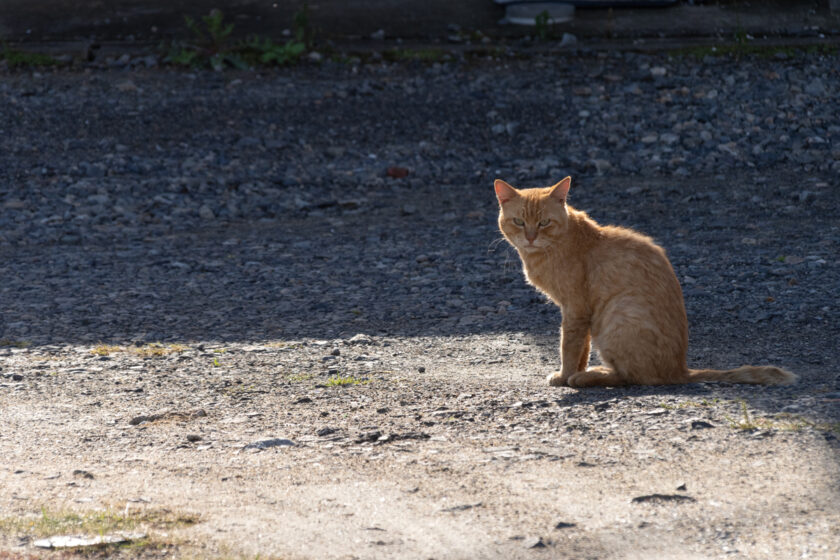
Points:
[556,278]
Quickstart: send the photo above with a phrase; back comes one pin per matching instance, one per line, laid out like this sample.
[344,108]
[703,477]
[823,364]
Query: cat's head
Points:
[532,219]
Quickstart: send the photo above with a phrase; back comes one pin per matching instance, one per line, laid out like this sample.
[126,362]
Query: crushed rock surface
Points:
[216,300]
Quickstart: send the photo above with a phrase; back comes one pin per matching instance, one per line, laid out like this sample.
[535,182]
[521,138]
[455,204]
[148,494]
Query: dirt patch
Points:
[478,465]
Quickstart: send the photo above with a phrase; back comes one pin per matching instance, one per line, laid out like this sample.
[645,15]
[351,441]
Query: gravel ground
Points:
[193,264]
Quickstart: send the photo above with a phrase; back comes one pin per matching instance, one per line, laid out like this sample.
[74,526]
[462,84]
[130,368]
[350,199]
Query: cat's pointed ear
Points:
[561,189]
[504,192]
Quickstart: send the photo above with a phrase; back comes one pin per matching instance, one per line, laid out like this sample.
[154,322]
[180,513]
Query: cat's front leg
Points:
[583,361]
[574,349]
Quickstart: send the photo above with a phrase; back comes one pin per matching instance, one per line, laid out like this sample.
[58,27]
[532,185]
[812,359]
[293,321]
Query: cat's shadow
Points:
[721,404]
[689,397]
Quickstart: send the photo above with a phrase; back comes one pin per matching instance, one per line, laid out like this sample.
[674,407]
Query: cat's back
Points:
[622,240]
[633,289]
[626,260]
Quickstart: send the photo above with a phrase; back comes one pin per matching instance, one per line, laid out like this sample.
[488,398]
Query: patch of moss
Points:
[339,381]
[22,59]
[15,343]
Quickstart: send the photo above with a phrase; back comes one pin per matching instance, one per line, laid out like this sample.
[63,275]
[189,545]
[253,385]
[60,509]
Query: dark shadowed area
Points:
[234,208]
[431,20]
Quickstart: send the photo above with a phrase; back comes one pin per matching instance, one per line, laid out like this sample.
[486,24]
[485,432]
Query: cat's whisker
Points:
[510,261]
[494,244]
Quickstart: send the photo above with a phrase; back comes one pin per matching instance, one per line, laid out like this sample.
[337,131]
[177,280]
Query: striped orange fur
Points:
[617,291]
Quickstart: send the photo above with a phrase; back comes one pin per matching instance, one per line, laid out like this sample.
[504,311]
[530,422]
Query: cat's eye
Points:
[544,223]
[518,221]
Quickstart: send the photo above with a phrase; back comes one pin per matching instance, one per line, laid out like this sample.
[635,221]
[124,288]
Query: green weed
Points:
[339,381]
[212,46]
[267,52]
[541,27]
[304,32]
[21,59]
[264,51]
[746,421]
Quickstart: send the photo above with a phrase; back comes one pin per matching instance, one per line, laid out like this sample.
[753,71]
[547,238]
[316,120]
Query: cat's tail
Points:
[760,375]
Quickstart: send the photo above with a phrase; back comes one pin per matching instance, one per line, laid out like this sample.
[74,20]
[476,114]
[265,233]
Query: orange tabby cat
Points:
[615,287]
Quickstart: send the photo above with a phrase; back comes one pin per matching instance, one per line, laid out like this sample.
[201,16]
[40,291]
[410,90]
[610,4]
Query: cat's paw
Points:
[556,380]
[573,380]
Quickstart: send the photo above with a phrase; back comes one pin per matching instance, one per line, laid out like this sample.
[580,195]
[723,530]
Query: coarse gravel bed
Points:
[216,300]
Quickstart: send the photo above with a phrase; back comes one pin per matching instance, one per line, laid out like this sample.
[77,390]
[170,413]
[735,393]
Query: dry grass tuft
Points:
[153,350]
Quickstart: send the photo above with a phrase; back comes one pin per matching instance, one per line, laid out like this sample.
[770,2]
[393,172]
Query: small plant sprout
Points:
[541,23]
[746,422]
[212,45]
[303,28]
